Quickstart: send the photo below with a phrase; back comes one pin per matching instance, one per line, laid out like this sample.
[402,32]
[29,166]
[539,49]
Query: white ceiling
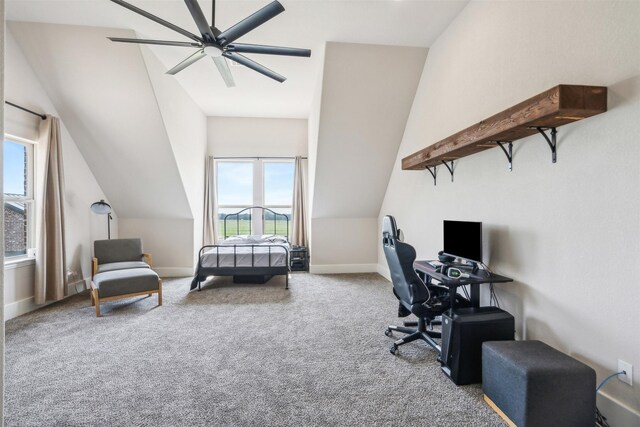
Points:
[305,24]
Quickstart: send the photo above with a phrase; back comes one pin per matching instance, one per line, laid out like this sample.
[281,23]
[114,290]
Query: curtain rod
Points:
[42,116]
[257,158]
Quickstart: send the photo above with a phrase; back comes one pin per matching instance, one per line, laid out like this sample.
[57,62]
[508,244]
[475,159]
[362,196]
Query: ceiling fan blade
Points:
[254,66]
[267,50]
[184,64]
[159,42]
[243,27]
[156,19]
[201,21]
[225,72]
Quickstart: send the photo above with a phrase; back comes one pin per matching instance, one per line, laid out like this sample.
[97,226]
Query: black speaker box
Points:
[463,333]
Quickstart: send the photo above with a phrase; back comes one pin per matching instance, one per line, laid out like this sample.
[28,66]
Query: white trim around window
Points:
[28,201]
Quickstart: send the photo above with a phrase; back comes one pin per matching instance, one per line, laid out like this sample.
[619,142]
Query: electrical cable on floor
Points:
[601,420]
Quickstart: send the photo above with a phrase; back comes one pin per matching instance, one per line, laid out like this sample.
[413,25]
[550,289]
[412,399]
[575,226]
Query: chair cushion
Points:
[117,250]
[121,266]
[122,282]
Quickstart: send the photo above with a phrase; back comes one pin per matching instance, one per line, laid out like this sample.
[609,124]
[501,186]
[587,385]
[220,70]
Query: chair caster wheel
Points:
[387,332]
[393,349]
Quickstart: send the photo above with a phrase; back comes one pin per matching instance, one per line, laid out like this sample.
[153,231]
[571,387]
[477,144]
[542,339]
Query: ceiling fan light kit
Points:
[219,44]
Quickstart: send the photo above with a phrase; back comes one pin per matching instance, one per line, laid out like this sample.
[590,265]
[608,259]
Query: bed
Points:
[249,258]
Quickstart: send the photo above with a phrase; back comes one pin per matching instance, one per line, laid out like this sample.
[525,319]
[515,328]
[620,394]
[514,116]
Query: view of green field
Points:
[242,227]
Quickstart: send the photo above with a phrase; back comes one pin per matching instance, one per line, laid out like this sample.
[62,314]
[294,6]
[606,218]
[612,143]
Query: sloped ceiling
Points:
[367,94]
[103,94]
[305,23]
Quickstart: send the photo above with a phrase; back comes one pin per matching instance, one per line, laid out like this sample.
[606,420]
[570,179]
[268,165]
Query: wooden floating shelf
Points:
[552,108]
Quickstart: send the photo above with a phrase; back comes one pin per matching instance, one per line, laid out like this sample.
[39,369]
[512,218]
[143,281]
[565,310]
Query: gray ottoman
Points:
[111,285]
[533,384]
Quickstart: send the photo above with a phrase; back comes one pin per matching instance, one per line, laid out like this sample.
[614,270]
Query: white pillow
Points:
[275,238]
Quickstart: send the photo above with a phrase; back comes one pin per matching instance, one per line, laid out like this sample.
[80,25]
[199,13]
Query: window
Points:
[241,184]
[18,197]
[278,195]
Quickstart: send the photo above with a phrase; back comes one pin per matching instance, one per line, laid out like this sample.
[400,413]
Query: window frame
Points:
[28,200]
[258,189]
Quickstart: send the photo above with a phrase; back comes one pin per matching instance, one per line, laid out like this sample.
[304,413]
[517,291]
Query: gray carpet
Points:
[231,355]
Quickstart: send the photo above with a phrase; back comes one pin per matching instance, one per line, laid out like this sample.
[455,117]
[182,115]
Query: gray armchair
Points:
[118,254]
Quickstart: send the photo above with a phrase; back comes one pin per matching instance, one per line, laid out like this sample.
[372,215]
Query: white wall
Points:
[103,94]
[81,226]
[256,137]
[358,121]
[168,240]
[344,245]
[567,232]
[186,127]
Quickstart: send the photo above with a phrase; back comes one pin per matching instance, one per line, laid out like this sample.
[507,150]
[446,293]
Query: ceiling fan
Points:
[219,44]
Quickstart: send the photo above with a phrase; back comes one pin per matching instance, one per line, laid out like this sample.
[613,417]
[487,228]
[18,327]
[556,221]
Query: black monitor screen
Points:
[463,239]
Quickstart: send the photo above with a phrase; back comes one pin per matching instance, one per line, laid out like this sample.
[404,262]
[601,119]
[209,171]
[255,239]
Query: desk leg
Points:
[475,295]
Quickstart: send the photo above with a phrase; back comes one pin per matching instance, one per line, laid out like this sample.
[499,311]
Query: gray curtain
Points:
[50,253]
[299,226]
[209,229]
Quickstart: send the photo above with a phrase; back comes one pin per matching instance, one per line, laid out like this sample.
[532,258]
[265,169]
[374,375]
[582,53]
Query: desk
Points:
[425,271]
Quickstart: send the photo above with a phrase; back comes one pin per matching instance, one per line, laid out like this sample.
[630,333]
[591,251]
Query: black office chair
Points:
[426,301]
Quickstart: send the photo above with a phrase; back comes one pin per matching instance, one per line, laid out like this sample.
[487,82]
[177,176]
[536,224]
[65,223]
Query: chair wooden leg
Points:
[159,291]
[96,299]
[93,302]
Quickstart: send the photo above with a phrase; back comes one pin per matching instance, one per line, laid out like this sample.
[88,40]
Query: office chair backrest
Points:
[400,257]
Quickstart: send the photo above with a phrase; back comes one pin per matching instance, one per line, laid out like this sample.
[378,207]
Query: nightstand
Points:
[298,258]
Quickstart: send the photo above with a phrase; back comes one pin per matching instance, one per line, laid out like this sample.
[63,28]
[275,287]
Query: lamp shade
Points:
[101,208]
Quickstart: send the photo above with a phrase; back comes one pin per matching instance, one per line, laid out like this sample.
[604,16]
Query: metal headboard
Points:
[276,215]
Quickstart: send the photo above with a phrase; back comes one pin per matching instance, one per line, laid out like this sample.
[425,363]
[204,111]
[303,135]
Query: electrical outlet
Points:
[627,377]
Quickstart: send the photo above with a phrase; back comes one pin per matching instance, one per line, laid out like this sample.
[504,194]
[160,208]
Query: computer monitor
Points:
[463,239]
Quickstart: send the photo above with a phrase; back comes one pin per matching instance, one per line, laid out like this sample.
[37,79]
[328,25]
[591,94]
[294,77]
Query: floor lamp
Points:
[103,208]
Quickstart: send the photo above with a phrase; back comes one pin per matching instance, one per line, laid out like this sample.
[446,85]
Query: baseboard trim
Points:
[26,305]
[174,271]
[617,413]
[18,308]
[383,270]
[343,268]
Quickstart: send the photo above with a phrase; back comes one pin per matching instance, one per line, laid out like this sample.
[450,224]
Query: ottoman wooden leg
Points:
[159,291]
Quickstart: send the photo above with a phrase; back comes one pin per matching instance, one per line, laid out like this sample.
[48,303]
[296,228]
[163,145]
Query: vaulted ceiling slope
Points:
[367,93]
[305,24]
[103,94]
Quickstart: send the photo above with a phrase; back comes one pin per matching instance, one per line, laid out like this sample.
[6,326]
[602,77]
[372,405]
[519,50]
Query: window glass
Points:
[277,224]
[16,227]
[15,169]
[278,183]
[273,182]
[235,183]
[18,198]
[236,224]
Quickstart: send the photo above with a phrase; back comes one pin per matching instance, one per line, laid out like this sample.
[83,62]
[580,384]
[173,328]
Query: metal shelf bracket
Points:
[509,153]
[432,172]
[551,141]
[449,167]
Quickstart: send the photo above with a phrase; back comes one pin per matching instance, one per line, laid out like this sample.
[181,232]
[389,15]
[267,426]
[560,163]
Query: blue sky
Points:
[235,183]
[13,168]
